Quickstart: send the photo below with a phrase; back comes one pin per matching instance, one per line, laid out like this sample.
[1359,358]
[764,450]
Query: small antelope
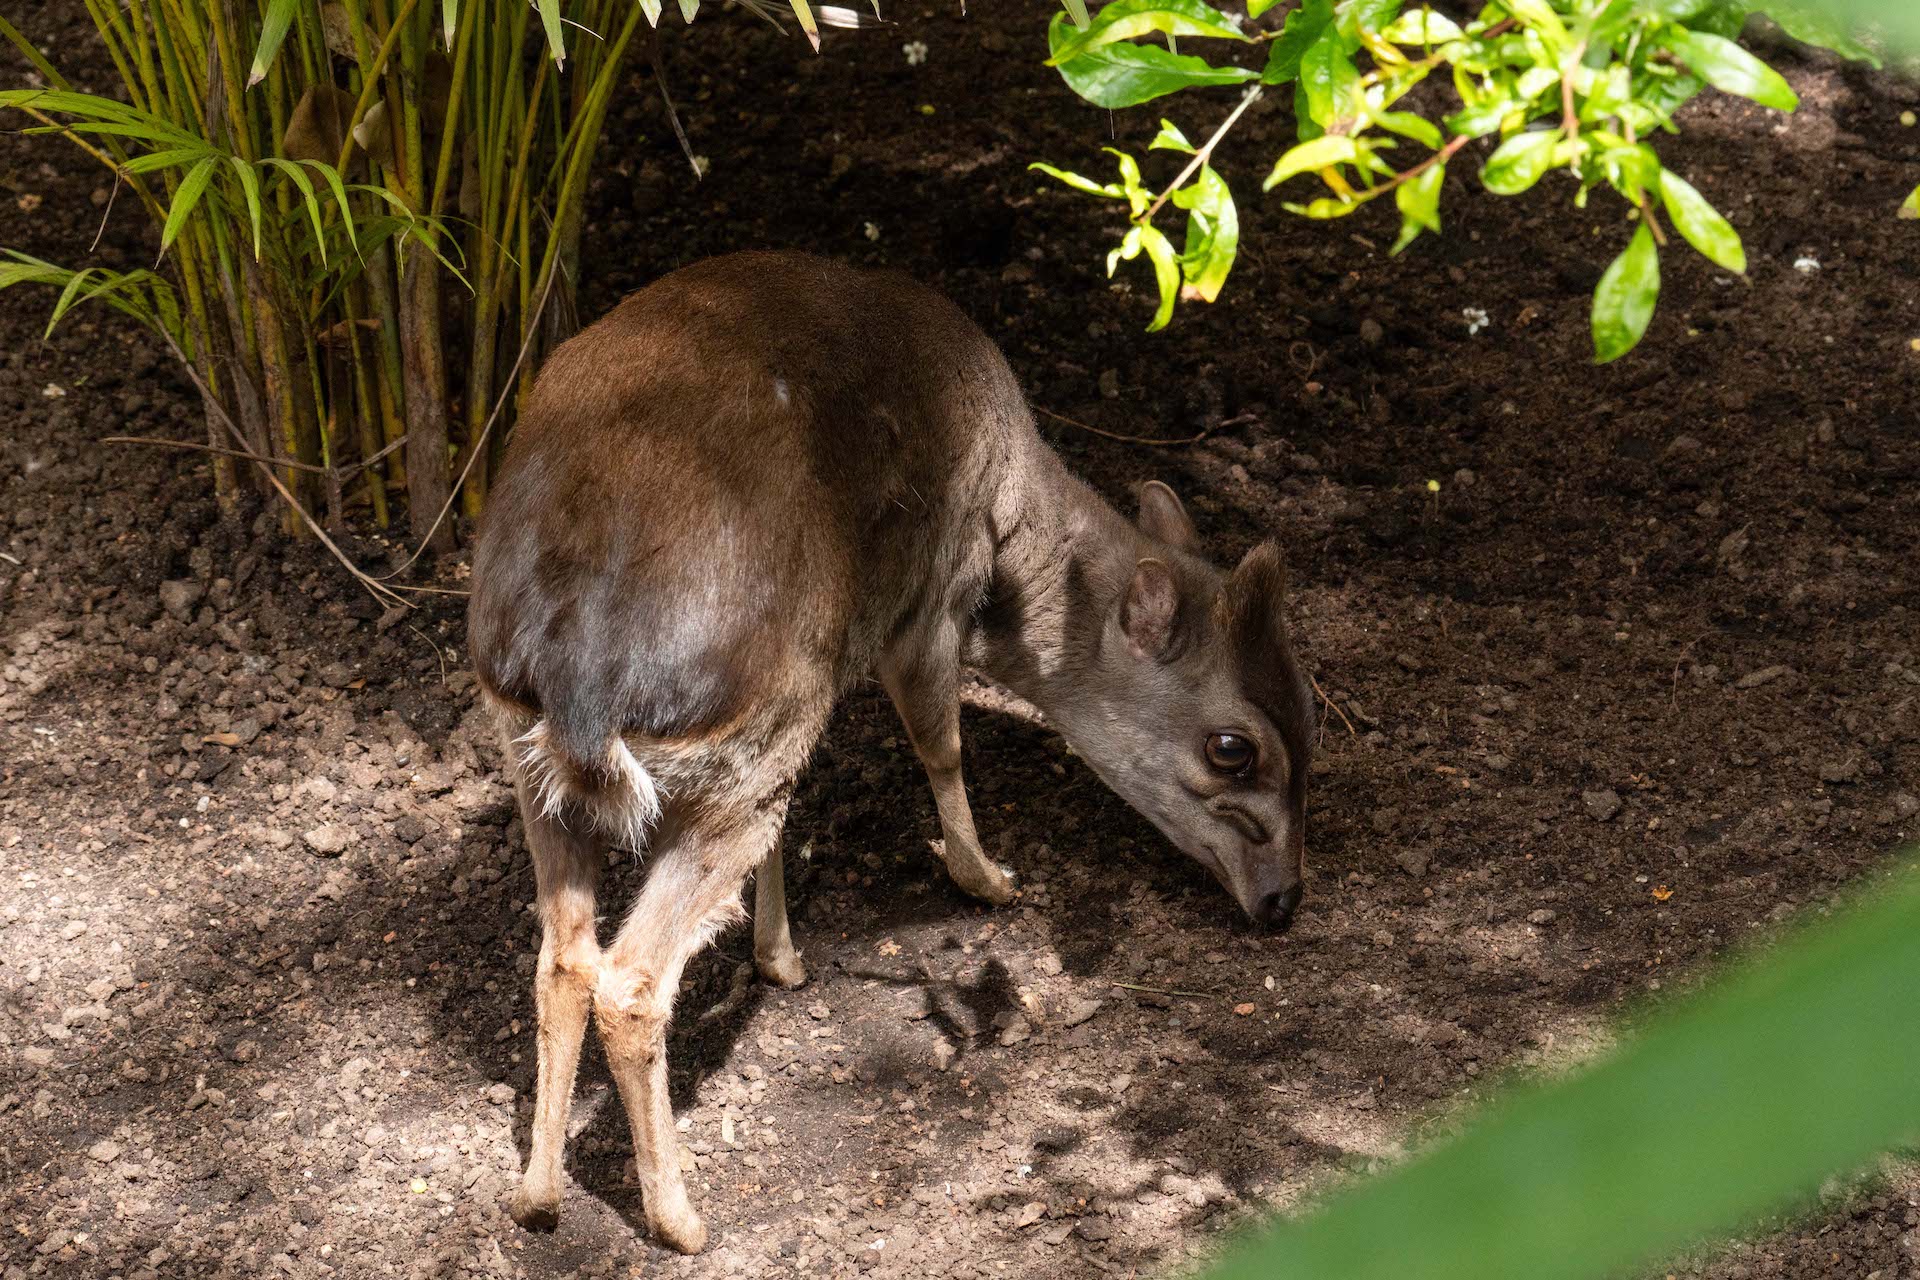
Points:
[752,484]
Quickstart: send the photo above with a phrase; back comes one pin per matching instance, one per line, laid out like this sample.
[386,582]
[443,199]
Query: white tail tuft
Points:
[622,803]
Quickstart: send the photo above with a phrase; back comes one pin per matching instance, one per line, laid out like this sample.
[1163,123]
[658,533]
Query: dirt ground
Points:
[1639,683]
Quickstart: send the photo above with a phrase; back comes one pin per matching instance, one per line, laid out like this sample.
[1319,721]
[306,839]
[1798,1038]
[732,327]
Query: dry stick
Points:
[1334,707]
[381,593]
[197,447]
[1164,991]
[1111,435]
[479,445]
[1201,156]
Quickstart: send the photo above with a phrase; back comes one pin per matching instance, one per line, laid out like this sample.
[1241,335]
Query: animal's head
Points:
[1197,712]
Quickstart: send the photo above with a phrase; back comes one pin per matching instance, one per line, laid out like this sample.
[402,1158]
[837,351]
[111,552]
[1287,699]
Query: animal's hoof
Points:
[985,881]
[680,1230]
[535,1213]
[782,970]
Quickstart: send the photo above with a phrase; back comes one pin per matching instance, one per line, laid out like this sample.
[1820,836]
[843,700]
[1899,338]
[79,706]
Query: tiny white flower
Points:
[916,51]
[53,391]
[1806,265]
[873,232]
[1476,319]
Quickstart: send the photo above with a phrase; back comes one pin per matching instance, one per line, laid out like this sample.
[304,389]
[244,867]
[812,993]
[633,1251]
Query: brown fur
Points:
[759,480]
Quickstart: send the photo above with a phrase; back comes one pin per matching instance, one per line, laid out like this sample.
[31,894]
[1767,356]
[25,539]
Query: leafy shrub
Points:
[1580,86]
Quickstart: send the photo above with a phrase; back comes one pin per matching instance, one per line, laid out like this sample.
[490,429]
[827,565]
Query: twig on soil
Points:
[1201,156]
[197,447]
[1164,991]
[1334,707]
[1112,435]
[9,559]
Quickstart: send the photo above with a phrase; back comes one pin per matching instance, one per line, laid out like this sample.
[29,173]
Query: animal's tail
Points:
[609,787]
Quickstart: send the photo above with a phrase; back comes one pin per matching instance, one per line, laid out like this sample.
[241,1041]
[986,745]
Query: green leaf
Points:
[1077,10]
[1125,19]
[1166,274]
[1910,207]
[1408,125]
[1320,153]
[1623,303]
[1816,24]
[1729,1103]
[1125,75]
[449,16]
[1213,233]
[273,30]
[803,12]
[1538,15]
[1326,207]
[1356,16]
[192,187]
[550,23]
[1519,162]
[250,188]
[1418,199]
[300,180]
[1701,223]
[688,10]
[1170,139]
[1422,27]
[1330,81]
[1729,68]
[1303,27]
[171,158]
[1110,190]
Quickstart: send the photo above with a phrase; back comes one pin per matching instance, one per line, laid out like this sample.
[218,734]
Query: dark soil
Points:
[1640,682]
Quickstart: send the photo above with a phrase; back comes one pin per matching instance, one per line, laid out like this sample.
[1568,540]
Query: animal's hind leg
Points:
[773,951]
[566,868]
[691,893]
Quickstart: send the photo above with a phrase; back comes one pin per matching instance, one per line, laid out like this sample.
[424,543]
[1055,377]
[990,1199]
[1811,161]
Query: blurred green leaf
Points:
[1077,10]
[1418,199]
[1126,74]
[1422,27]
[550,23]
[1624,301]
[1729,68]
[1166,274]
[1330,80]
[1170,139]
[1735,1102]
[1696,219]
[1125,19]
[1111,191]
[1409,125]
[1519,162]
[1305,157]
[1814,23]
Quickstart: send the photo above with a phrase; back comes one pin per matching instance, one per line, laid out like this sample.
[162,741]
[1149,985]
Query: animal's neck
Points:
[1061,558]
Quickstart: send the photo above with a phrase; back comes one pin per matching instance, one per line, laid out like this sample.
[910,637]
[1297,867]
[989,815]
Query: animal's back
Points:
[730,491]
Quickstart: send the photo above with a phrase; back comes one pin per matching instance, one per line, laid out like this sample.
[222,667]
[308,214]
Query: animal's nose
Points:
[1275,911]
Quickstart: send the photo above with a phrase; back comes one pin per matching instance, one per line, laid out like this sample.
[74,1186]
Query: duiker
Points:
[753,484]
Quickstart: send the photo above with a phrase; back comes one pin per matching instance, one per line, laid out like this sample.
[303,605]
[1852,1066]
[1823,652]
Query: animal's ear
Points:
[1162,517]
[1254,594]
[1150,608]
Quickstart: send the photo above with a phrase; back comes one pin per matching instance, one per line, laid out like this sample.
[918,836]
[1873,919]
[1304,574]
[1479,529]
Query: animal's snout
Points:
[1275,910]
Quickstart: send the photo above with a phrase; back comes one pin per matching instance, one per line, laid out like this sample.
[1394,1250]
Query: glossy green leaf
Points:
[1126,74]
[1418,199]
[1329,80]
[274,25]
[1125,19]
[1408,125]
[1170,139]
[1696,219]
[1519,162]
[1303,27]
[1729,68]
[1306,157]
[1624,301]
[192,187]
[1166,274]
[1213,233]
[1111,191]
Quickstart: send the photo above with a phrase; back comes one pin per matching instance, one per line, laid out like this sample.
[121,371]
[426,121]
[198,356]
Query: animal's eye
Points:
[1230,753]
